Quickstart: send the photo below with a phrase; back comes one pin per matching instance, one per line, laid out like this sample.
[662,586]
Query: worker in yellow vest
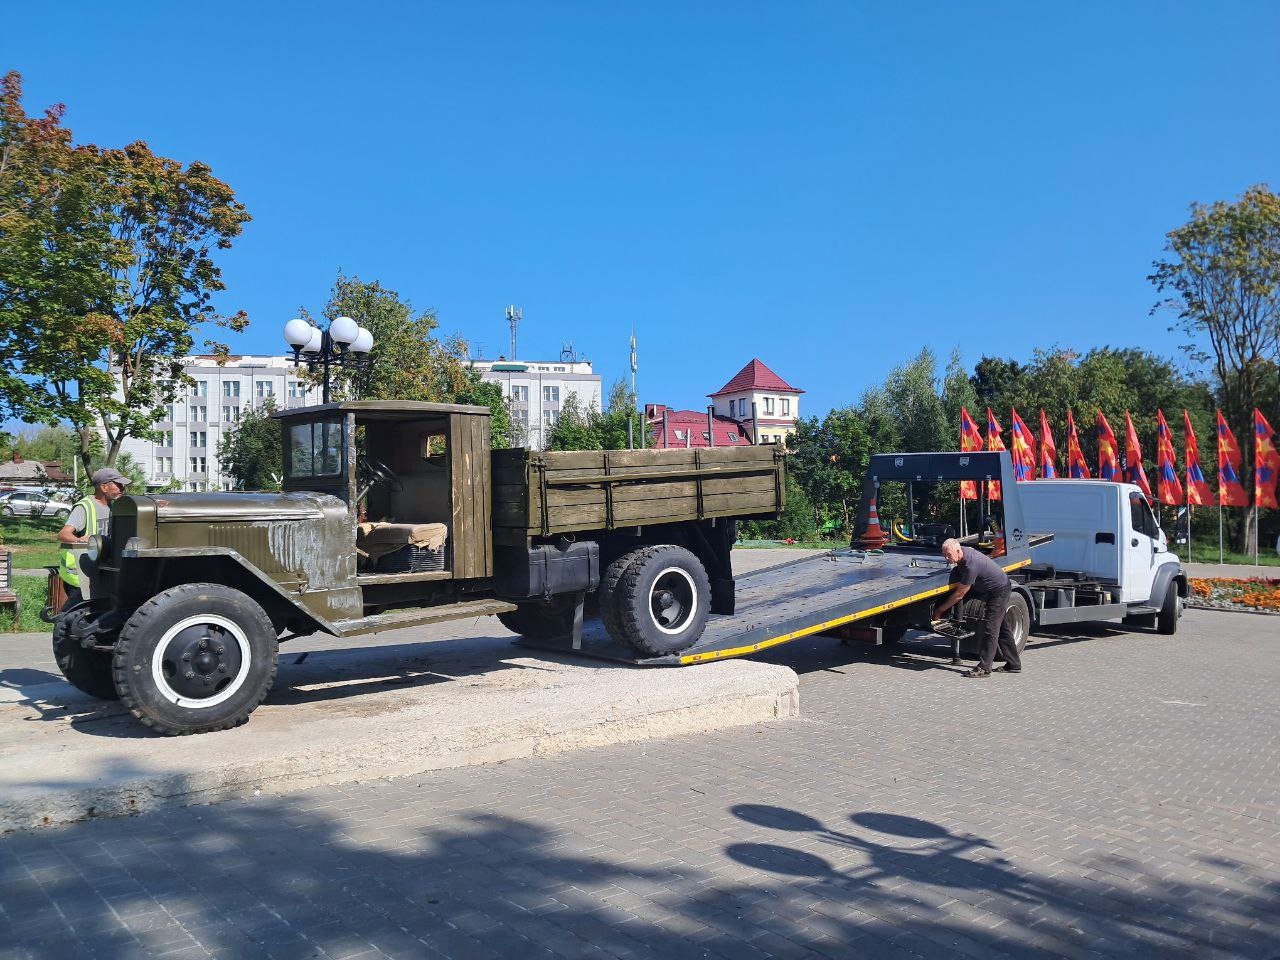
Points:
[91,515]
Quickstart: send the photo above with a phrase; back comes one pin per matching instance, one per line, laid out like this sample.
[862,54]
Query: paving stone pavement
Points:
[1118,799]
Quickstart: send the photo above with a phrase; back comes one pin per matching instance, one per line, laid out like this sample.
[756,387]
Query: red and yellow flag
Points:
[1024,453]
[1266,461]
[1197,486]
[1077,466]
[1231,492]
[1133,471]
[970,440]
[1168,486]
[994,443]
[1048,450]
[1108,451]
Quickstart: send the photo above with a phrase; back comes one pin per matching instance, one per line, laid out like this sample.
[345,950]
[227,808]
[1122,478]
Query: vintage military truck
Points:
[191,593]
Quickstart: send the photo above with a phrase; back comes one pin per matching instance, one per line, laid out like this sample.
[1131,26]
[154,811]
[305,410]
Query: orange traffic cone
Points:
[873,537]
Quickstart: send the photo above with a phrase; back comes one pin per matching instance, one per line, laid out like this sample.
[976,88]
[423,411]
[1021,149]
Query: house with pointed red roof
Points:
[756,393]
[755,406]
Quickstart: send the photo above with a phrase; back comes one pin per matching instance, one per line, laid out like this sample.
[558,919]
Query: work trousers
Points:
[997,633]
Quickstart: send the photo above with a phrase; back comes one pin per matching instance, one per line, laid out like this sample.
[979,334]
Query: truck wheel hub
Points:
[673,600]
[200,661]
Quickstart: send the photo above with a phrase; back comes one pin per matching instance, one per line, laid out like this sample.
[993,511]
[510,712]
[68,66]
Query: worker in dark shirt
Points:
[978,576]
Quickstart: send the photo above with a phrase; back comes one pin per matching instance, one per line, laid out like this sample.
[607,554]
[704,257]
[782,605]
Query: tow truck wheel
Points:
[195,658]
[86,670]
[1016,614]
[1019,619]
[663,600]
[540,621]
[1170,611]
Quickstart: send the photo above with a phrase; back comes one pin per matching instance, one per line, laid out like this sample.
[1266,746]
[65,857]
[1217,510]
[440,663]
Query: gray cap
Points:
[107,475]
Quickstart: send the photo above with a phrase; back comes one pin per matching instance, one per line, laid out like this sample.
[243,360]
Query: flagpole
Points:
[1219,534]
[1190,508]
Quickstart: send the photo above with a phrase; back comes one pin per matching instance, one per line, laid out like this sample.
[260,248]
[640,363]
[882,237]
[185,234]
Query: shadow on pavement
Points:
[269,878]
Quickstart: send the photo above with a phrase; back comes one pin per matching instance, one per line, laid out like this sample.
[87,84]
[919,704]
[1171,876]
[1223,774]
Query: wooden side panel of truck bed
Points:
[545,493]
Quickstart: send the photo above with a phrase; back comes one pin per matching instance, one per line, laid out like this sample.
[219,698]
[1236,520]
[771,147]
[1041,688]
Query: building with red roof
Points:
[755,406]
[757,393]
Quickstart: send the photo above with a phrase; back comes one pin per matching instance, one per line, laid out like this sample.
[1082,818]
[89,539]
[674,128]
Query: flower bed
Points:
[1258,594]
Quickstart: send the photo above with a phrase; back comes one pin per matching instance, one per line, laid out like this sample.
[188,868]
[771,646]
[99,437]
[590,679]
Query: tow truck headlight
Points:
[96,548]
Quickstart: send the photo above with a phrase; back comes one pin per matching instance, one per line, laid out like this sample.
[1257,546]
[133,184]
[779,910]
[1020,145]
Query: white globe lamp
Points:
[344,330]
[363,342]
[297,333]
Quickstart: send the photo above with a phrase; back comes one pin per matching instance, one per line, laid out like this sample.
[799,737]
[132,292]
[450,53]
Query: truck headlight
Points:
[97,546]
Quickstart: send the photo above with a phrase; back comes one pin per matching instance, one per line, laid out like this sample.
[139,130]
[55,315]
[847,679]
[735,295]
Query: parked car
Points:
[29,503]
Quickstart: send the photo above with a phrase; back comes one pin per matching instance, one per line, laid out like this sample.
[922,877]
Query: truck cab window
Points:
[315,449]
[1141,517]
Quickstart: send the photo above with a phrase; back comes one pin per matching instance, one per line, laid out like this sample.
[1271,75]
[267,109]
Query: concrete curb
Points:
[102,763]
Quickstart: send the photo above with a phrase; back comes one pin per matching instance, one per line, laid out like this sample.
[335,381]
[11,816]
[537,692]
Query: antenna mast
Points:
[514,316]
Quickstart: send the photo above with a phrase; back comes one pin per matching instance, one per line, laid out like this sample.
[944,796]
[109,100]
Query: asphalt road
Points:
[1118,799]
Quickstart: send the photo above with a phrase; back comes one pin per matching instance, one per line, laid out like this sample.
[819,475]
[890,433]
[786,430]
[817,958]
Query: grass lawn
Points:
[33,540]
[1208,553]
[34,592]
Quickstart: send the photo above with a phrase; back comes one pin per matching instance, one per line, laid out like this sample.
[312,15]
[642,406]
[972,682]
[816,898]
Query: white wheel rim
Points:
[199,703]
[682,581]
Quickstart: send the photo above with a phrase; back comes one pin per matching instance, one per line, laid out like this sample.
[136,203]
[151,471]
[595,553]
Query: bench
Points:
[9,596]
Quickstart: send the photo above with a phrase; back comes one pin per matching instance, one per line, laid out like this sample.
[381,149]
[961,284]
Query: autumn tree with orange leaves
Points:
[106,269]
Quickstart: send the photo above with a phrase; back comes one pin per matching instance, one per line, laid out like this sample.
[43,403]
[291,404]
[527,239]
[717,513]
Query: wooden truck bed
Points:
[545,493]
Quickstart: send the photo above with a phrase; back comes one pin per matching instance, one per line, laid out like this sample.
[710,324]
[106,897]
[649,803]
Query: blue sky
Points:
[828,186]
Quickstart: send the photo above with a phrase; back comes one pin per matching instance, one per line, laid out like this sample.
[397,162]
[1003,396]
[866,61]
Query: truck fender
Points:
[1167,572]
[250,572]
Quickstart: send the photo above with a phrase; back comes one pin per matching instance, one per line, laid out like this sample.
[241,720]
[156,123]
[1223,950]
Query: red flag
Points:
[1077,467]
[1024,454]
[970,440]
[1168,487]
[1133,472]
[1108,451]
[1197,487]
[1266,461]
[1048,450]
[994,443]
[1231,491]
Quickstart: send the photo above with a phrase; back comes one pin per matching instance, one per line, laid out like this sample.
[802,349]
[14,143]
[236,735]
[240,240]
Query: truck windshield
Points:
[315,449]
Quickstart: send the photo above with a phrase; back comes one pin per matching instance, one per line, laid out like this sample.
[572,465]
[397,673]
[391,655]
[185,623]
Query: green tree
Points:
[797,521]
[108,271]
[408,360]
[577,428]
[251,453]
[957,392]
[829,460]
[1221,275]
[612,424]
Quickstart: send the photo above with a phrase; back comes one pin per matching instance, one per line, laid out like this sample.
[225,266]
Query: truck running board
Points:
[416,616]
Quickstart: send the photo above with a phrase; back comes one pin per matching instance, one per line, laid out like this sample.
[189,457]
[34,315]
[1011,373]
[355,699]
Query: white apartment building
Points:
[192,429]
[538,389]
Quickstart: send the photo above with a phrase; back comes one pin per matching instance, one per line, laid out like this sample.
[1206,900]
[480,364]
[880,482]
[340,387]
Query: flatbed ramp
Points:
[786,602]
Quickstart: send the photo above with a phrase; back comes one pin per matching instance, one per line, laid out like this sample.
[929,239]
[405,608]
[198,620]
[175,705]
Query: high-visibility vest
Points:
[67,568]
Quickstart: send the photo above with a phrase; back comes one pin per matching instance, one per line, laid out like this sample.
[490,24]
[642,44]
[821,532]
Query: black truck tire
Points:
[1170,611]
[87,670]
[540,621]
[972,611]
[195,658]
[663,600]
[607,594]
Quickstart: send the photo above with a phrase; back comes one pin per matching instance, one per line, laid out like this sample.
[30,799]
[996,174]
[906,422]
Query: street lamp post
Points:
[344,344]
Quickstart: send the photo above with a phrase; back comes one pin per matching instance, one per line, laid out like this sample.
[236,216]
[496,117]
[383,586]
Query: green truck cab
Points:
[397,514]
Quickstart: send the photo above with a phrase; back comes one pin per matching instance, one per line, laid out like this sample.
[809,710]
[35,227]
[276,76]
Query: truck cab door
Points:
[1141,550]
